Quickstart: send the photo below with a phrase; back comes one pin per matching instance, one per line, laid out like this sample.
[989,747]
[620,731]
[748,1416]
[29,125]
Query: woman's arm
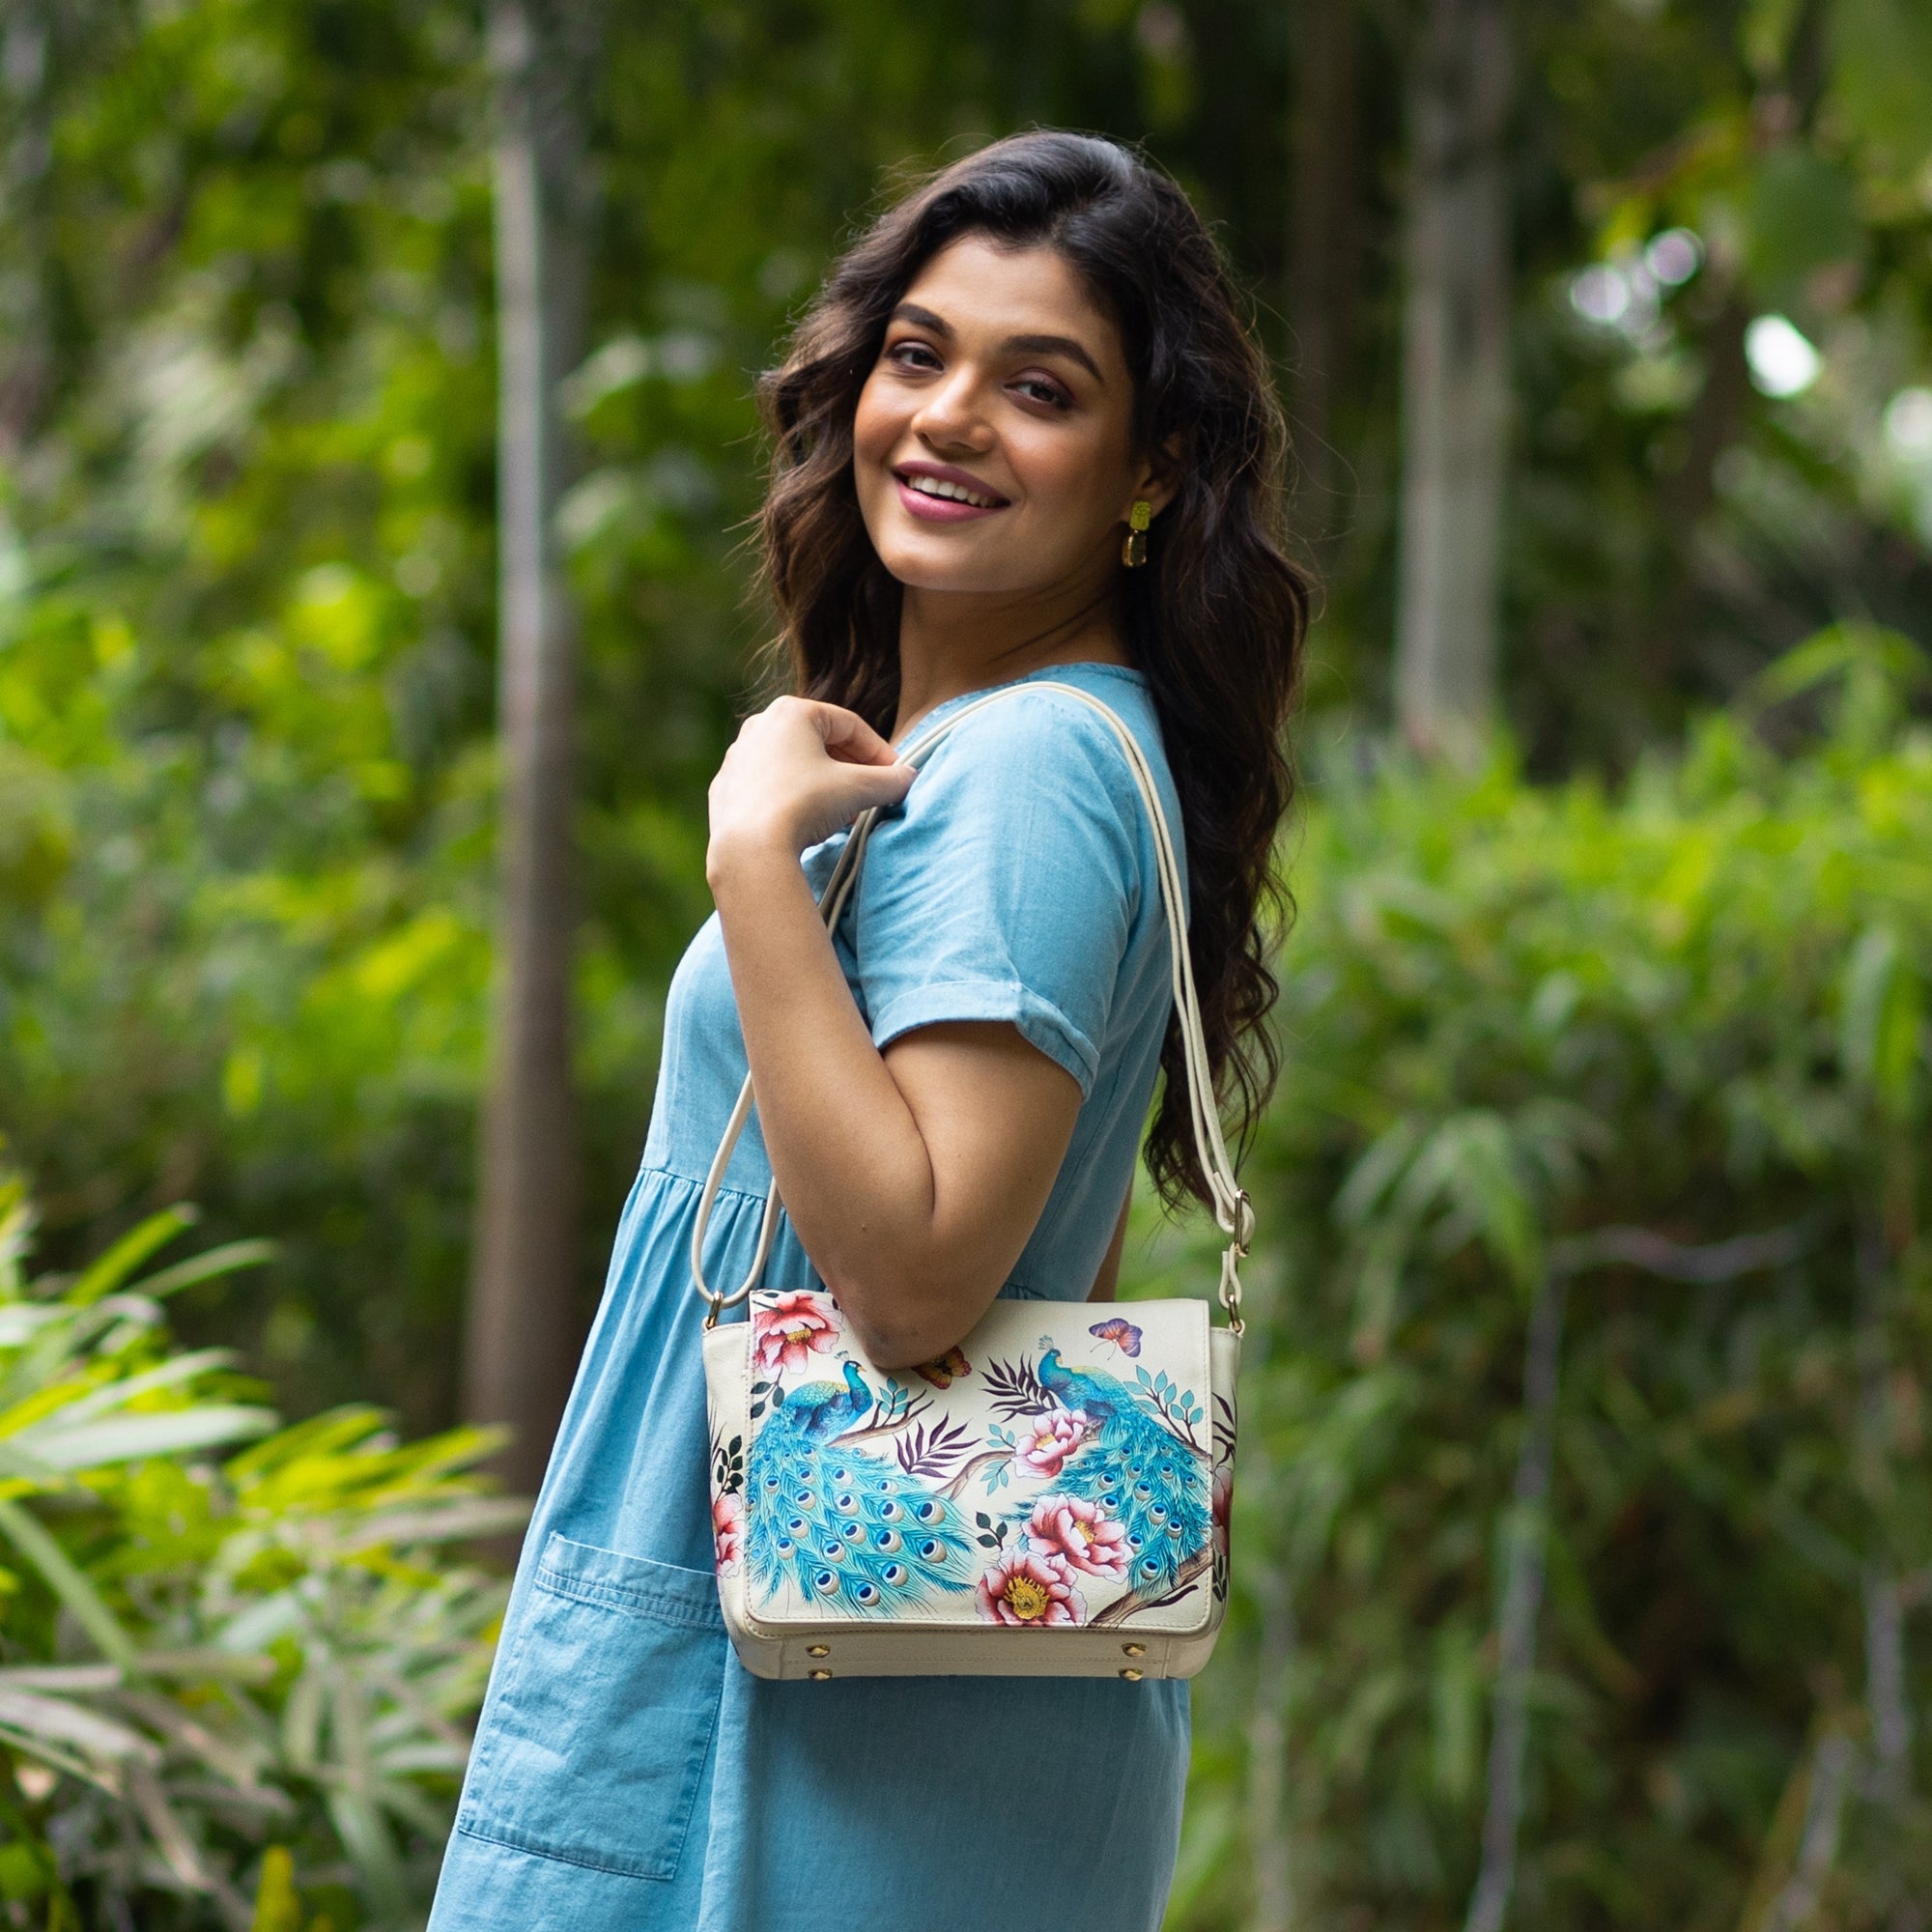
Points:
[912,1178]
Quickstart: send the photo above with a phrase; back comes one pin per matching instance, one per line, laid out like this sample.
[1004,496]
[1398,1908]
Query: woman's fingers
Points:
[799,772]
[878,784]
[849,739]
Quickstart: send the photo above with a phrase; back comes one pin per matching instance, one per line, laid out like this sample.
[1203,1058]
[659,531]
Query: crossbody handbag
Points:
[1049,1498]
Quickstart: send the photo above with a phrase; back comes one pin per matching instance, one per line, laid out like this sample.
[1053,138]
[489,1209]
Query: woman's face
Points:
[992,446]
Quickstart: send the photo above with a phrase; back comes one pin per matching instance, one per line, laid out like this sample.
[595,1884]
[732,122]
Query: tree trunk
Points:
[1323,251]
[27,372]
[522,1336]
[1271,1847]
[1527,1531]
[1887,1679]
[1454,378]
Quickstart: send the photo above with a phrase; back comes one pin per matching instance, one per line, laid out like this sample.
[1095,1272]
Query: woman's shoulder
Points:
[1043,734]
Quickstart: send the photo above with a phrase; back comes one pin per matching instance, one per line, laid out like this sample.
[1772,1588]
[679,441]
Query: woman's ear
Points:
[1160,473]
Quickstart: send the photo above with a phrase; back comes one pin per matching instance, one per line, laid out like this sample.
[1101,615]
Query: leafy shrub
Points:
[1584,1508]
[225,1673]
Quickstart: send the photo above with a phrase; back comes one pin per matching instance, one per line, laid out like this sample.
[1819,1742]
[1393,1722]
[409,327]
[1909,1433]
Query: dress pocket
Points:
[594,1738]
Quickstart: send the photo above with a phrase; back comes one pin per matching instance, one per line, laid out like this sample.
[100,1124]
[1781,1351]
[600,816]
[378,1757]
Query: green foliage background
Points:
[1655,970]
[1661,1051]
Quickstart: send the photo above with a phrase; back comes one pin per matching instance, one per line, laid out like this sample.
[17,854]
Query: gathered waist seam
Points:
[651,1172]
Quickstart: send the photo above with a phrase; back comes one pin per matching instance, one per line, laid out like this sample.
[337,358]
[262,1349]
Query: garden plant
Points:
[233,1680]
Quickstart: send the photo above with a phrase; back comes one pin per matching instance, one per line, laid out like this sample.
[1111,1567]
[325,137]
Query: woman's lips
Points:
[940,509]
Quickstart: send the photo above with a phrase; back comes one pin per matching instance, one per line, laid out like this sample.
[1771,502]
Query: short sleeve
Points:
[1008,885]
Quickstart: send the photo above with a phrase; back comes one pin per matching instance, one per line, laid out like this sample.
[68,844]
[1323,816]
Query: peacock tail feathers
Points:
[850,1530]
[1139,1470]
[1137,1473]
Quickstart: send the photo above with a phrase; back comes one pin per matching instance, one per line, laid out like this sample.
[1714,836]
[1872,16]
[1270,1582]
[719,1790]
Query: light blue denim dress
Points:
[629,1776]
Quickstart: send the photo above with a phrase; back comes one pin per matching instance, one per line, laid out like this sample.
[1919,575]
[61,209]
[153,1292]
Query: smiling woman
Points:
[1032,361]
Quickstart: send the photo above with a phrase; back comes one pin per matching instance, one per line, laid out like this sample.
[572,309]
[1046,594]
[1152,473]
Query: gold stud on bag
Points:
[1046,1499]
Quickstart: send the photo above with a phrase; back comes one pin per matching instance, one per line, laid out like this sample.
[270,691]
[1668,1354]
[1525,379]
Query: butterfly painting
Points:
[943,1372]
[1120,1331]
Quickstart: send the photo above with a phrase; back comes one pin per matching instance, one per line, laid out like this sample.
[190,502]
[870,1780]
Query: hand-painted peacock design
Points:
[1136,1467]
[859,1508]
[850,1529]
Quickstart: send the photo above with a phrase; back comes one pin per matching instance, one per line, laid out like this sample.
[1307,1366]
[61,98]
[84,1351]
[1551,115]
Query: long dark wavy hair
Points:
[1216,619]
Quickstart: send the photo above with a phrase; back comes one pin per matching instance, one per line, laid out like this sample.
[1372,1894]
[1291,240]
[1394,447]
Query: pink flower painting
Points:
[1048,1441]
[1081,1535]
[1025,1590]
[728,1530]
[791,1330]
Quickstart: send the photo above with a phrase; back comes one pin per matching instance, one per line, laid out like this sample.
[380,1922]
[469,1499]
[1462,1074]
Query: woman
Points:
[1035,354]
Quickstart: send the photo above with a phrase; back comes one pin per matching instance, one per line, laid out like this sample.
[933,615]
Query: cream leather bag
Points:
[1047,1499]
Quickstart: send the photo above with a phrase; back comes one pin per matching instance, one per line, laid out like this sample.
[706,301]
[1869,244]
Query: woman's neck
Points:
[954,642]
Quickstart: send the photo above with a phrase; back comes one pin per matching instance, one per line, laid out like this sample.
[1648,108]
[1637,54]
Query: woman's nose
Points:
[953,414]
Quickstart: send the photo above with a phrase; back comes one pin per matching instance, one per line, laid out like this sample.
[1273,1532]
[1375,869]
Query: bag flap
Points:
[1059,1468]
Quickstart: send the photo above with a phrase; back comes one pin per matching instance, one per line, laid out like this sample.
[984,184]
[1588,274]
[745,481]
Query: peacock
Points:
[849,1528]
[1140,1471]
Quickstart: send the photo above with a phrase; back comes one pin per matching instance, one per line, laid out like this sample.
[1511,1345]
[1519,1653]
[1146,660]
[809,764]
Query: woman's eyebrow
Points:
[923,318]
[1033,345]
[1057,345]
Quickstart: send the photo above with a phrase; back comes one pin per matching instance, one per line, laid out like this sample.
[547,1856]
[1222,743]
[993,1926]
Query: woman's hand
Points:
[798,772]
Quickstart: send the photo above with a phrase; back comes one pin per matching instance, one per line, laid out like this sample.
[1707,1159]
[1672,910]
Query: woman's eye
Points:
[1037,390]
[912,355]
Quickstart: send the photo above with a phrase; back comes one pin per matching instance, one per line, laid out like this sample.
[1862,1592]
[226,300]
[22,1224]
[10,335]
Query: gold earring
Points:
[1133,546]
